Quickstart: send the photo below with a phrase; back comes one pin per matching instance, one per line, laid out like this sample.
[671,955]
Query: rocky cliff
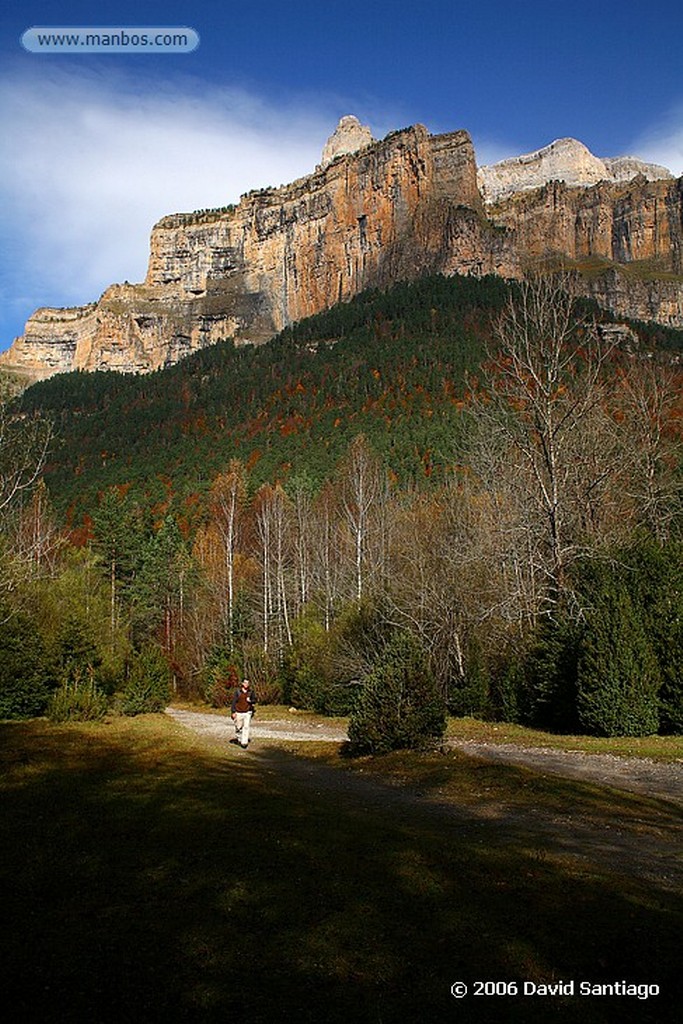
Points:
[407,205]
[566,160]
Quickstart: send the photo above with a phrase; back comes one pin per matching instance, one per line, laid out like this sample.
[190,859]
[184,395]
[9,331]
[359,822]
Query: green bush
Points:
[508,685]
[469,694]
[551,677]
[27,670]
[671,693]
[338,699]
[654,577]
[398,706]
[307,670]
[76,649]
[77,701]
[149,684]
[223,681]
[618,677]
[318,669]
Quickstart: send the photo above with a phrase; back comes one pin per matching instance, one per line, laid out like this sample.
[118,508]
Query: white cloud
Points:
[663,143]
[91,161]
[487,151]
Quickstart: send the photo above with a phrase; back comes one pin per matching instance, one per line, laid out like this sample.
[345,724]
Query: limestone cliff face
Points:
[395,209]
[286,253]
[633,221]
[626,238]
[398,208]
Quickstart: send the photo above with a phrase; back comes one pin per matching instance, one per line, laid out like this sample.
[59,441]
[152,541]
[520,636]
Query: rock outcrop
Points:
[624,168]
[348,137]
[399,208]
[564,160]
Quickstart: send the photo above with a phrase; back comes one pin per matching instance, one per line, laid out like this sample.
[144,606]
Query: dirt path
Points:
[221,726]
[637,775]
[647,848]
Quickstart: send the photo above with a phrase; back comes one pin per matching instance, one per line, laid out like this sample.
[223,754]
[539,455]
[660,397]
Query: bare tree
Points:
[281,513]
[543,404]
[301,502]
[325,563]
[272,514]
[652,405]
[24,444]
[227,501]
[362,490]
[263,511]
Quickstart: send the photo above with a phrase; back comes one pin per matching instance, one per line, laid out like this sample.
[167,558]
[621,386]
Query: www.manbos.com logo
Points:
[110,40]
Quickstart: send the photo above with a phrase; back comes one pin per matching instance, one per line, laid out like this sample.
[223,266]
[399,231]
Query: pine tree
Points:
[618,678]
[655,582]
[399,705]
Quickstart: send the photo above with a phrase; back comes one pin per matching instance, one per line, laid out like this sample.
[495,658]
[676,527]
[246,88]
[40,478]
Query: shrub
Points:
[261,669]
[27,671]
[77,650]
[671,693]
[77,701]
[149,685]
[469,694]
[398,706]
[338,699]
[618,676]
[508,682]
[307,670]
[551,670]
[654,578]
[221,687]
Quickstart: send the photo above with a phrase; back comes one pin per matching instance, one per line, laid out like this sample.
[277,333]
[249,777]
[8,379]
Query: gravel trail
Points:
[637,775]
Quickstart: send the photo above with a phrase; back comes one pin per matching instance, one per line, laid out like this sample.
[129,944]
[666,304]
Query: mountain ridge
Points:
[391,364]
[399,208]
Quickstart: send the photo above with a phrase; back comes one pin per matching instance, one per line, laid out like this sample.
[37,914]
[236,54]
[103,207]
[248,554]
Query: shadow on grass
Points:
[149,878]
[529,786]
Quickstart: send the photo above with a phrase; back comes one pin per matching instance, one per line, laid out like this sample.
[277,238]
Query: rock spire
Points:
[348,137]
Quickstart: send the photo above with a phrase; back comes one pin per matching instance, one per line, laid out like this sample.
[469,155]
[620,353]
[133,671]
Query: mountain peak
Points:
[565,160]
[348,137]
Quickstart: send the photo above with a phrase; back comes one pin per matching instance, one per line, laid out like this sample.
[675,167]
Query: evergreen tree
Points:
[77,651]
[160,589]
[549,699]
[399,705]
[149,686]
[618,678]
[27,670]
[118,539]
[654,577]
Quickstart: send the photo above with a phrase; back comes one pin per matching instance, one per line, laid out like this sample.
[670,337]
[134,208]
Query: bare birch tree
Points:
[227,501]
[24,444]
[325,568]
[272,514]
[544,400]
[362,490]
[263,512]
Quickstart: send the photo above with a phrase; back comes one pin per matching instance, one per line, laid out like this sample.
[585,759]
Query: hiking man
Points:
[243,707]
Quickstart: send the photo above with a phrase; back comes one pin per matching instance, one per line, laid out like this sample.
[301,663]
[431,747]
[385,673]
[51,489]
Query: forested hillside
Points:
[453,480]
[388,365]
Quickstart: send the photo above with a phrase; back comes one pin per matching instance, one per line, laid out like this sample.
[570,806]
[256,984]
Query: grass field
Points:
[152,876]
[655,748]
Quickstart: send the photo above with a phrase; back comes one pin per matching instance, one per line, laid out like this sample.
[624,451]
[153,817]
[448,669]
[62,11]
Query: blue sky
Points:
[97,148]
